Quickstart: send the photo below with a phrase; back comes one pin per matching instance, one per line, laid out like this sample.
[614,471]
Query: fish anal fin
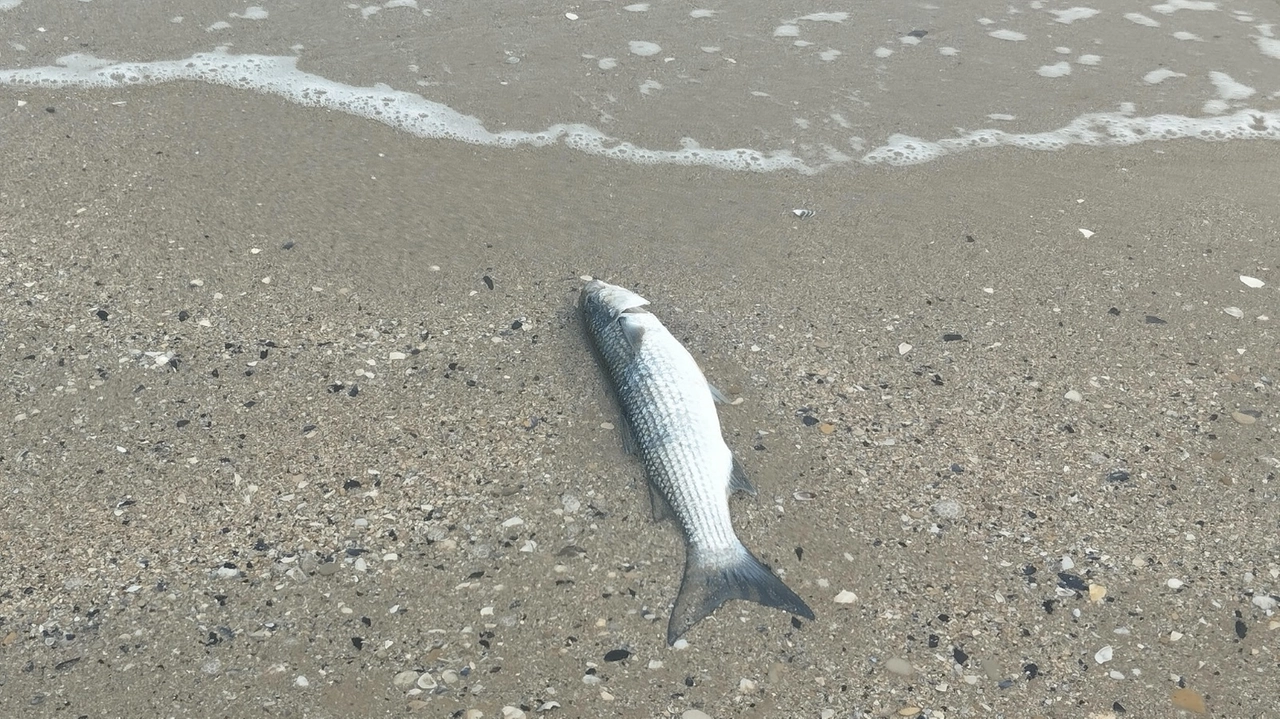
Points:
[632,330]
[707,585]
[659,504]
[717,395]
[738,481]
[628,439]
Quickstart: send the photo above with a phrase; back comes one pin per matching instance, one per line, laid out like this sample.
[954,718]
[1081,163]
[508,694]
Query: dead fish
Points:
[670,420]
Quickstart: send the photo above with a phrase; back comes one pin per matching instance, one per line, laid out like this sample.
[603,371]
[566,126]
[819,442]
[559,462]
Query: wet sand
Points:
[274,447]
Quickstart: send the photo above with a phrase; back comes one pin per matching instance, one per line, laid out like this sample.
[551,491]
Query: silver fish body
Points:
[670,419]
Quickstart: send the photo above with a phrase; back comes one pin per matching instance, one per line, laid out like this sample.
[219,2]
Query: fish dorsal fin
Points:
[738,481]
[632,329]
[659,504]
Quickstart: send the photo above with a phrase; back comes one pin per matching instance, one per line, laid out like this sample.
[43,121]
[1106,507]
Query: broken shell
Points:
[804,496]
[803,213]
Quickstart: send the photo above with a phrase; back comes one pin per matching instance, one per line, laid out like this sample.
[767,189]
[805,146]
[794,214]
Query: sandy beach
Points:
[300,420]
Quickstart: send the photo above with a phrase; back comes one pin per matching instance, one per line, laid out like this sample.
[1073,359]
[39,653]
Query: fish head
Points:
[601,298]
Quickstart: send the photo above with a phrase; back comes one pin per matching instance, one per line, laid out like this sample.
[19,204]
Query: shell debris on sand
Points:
[899,666]
[1189,700]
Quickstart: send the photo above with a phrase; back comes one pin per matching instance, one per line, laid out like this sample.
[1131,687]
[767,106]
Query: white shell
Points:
[1253,282]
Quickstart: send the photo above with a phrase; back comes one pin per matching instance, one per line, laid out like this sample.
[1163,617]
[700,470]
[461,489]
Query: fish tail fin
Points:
[709,584]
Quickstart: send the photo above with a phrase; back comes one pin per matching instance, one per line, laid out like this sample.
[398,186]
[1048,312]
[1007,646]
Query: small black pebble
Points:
[355,390]
[262,354]
[799,554]
[1114,311]
[1072,581]
[918,33]
[1118,476]
[969,238]
[1241,629]
[351,484]
[795,622]
[1153,320]
[517,325]
[1049,605]
[957,469]
[183,423]
[1118,708]
[50,110]
[809,420]
[289,246]
[1029,569]
[1005,683]
[488,281]
[336,387]
[759,448]
[688,681]
[933,641]
[102,315]
[1031,670]
[183,316]
[357,642]
[250,403]
[616,655]
[308,428]
[366,621]
[952,337]
[959,655]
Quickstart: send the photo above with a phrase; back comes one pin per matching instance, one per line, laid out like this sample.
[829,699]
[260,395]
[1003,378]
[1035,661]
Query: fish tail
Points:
[709,584]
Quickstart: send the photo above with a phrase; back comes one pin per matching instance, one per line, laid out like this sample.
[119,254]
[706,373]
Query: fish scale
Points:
[670,419]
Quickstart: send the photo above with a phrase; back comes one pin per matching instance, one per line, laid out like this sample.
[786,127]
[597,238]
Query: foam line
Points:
[279,75]
[1098,129]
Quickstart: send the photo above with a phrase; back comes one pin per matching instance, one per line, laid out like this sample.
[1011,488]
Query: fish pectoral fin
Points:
[659,504]
[706,586]
[718,396]
[632,330]
[738,481]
